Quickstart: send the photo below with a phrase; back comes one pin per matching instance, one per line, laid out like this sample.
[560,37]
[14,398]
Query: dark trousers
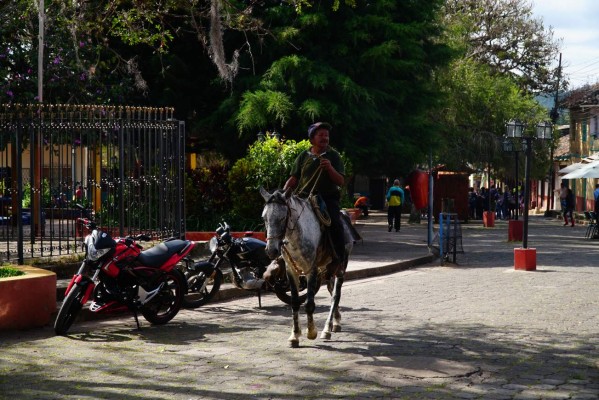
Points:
[336,228]
[394,217]
[364,210]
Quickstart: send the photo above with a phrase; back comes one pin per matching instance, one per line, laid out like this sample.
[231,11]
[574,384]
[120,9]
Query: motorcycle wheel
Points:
[201,288]
[283,292]
[166,304]
[69,310]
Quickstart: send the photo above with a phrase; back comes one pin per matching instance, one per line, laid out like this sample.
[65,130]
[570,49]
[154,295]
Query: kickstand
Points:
[136,319]
[259,298]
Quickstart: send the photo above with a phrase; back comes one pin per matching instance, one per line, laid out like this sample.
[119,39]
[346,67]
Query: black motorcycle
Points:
[245,261]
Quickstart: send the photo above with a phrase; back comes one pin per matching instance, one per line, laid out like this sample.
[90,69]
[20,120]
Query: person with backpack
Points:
[395,198]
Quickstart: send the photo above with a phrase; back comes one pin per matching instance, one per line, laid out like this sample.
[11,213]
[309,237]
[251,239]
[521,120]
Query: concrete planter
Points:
[354,214]
[525,259]
[27,301]
[489,219]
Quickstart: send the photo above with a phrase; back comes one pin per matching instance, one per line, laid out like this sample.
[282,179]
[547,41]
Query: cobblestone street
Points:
[478,329]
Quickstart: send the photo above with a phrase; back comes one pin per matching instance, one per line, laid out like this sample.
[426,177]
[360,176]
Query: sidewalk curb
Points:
[389,268]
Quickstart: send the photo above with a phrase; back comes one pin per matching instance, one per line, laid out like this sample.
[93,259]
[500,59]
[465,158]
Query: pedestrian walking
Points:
[569,204]
[596,208]
[395,198]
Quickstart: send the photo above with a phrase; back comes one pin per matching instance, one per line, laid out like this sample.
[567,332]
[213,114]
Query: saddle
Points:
[320,209]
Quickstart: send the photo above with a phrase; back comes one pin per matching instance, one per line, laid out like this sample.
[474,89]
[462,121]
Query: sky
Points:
[576,22]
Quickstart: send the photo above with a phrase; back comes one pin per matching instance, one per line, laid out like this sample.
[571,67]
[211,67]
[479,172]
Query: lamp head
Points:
[514,128]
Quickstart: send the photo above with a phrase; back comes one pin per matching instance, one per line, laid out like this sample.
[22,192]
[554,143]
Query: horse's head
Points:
[275,215]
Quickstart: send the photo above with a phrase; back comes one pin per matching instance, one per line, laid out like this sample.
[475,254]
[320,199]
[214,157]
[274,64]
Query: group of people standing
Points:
[502,201]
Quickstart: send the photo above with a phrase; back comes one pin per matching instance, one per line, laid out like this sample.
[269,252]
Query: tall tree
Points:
[81,63]
[506,57]
[505,35]
[478,105]
[366,69]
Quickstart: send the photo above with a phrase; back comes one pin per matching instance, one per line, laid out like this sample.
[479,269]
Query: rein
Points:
[316,174]
[287,227]
[293,263]
[326,221]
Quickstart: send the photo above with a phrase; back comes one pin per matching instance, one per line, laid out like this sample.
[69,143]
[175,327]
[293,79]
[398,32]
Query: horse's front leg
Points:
[296,331]
[310,304]
[334,311]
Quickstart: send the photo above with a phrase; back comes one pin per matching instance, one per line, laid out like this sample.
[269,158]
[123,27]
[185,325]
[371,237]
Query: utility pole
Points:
[35,145]
[554,116]
[40,51]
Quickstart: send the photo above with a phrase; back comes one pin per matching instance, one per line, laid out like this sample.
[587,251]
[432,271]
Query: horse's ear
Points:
[264,193]
[288,192]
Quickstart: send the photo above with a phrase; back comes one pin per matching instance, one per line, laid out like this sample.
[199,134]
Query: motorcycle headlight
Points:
[213,244]
[94,254]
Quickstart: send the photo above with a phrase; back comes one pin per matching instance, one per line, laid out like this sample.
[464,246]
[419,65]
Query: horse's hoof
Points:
[312,335]
[294,344]
[325,335]
[336,328]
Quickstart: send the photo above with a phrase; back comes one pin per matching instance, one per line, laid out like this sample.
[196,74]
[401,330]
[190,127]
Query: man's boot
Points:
[572,218]
[565,220]
[275,268]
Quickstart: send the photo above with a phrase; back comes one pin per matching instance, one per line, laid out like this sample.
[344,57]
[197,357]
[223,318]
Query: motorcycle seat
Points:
[159,254]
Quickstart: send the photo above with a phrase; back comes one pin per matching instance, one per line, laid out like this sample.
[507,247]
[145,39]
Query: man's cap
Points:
[312,128]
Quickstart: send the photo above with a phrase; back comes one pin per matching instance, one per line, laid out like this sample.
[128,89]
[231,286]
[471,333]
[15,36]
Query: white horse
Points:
[294,231]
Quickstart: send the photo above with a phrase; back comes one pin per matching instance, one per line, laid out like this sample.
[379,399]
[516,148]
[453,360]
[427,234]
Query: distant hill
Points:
[546,100]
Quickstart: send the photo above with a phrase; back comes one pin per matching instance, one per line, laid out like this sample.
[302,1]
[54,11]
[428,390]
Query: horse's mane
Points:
[281,196]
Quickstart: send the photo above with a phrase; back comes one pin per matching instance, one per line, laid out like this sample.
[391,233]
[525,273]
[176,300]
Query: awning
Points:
[589,170]
[576,166]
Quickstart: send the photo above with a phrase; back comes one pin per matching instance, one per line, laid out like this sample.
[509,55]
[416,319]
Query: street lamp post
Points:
[510,147]
[525,258]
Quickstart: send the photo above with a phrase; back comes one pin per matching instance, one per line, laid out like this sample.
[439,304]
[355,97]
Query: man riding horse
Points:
[320,170]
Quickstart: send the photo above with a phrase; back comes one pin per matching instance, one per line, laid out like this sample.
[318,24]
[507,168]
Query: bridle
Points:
[277,199]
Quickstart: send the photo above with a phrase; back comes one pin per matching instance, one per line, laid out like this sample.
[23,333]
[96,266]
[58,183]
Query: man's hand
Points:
[325,164]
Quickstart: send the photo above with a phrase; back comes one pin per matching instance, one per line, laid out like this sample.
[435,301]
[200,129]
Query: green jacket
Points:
[305,170]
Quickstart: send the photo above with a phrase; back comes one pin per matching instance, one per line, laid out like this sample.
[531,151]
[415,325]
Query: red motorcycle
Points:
[117,275]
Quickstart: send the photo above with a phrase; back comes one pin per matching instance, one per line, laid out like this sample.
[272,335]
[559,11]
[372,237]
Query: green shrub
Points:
[8,272]
[214,192]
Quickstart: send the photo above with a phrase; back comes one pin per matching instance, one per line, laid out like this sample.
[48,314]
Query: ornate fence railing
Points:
[125,165]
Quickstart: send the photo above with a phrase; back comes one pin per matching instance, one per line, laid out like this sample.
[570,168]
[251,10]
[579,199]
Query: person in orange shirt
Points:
[362,204]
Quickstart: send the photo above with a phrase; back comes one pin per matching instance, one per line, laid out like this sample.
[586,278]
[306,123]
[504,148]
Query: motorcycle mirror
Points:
[226,237]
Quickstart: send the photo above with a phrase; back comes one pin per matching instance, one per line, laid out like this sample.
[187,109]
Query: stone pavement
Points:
[475,329]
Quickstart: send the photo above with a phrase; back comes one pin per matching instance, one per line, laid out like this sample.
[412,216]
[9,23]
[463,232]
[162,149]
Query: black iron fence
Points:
[125,165]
